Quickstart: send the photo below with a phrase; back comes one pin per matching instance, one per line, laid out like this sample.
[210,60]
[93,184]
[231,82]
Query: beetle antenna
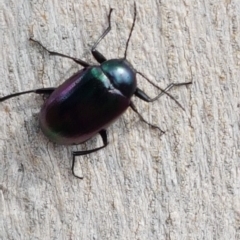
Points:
[133,24]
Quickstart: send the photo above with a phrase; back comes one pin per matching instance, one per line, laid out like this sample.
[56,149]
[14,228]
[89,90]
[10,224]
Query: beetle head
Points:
[122,75]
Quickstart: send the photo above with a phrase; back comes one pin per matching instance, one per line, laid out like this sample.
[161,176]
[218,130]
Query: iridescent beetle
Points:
[92,99]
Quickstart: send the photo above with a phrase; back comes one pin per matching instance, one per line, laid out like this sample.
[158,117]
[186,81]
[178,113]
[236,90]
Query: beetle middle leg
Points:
[37,91]
[103,134]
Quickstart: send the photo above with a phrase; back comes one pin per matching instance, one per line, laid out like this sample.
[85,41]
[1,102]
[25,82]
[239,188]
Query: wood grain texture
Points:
[182,185]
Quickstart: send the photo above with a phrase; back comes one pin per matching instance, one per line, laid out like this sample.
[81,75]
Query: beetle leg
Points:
[96,54]
[37,91]
[142,95]
[78,61]
[103,134]
[133,107]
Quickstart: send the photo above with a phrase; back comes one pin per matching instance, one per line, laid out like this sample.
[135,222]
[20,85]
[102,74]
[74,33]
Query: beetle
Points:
[92,99]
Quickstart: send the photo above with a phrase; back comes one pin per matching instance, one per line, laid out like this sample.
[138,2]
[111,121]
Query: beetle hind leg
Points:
[103,134]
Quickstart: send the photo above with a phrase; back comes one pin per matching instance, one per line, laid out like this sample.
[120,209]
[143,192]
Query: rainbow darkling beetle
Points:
[92,99]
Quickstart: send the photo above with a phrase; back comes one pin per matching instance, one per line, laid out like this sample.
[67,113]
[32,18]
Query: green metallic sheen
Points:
[88,102]
[121,74]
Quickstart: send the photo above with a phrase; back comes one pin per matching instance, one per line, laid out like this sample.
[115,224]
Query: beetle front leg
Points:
[103,134]
[96,54]
[142,95]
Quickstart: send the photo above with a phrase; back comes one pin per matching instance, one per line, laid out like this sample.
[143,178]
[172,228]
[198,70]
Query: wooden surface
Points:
[182,185]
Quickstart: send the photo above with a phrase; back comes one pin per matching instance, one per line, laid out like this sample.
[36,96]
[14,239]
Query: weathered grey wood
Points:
[183,185]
